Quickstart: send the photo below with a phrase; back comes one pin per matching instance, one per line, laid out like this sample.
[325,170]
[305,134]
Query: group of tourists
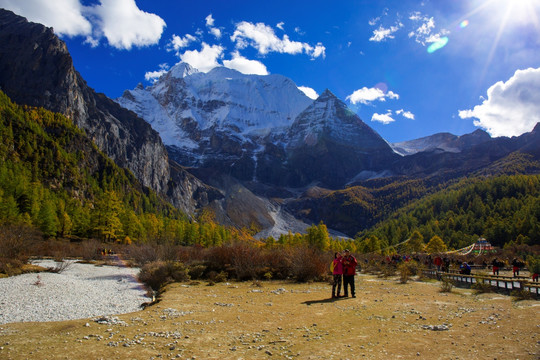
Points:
[343,266]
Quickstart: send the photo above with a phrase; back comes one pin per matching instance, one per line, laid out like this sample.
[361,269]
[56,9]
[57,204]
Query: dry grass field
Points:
[282,320]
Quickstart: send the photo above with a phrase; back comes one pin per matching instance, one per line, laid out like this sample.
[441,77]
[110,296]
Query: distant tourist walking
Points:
[438,262]
[446,264]
[337,271]
[349,270]
[516,266]
[496,264]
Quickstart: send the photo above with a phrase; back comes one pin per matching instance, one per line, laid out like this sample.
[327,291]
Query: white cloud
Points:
[425,34]
[511,108]
[318,50]
[216,32]
[374,21]
[245,66]
[310,93]
[153,76]
[209,20]
[210,25]
[381,34]
[263,38]
[125,25]
[204,60]
[367,95]
[178,42]
[65,16]
[280,25]
[405,114]
[383,118]
[121,22]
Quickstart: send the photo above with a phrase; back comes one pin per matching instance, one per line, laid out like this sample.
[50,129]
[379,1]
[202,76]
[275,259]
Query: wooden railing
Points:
[507,283]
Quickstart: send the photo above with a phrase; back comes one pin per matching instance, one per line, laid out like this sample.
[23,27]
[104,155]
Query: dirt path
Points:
[281,320]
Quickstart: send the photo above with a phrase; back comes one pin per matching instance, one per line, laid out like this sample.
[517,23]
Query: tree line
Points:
[52,177]
[504,209]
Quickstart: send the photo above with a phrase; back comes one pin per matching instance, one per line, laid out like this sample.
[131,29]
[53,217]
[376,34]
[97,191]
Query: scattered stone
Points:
[442,327]
[223,304]
[110,320]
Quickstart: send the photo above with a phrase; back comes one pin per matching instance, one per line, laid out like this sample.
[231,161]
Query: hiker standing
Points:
[438,262]
[496,265]
[516,266]
[349,270]
[337,271]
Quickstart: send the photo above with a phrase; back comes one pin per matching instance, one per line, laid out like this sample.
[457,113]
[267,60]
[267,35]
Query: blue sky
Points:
[408,68]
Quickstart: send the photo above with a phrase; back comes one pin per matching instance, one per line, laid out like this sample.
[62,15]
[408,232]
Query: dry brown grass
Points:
[387,320]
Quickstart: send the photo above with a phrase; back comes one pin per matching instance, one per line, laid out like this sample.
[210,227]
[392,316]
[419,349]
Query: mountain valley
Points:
[252,149]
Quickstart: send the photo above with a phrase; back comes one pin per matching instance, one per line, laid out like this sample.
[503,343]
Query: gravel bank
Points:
[81,291]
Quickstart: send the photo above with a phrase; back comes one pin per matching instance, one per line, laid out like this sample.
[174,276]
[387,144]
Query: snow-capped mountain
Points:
[442,141]
[190,108]
[329,143]
[260,128]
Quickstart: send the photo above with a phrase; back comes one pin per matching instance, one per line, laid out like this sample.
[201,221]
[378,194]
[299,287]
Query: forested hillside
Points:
[502,209]
[53,177]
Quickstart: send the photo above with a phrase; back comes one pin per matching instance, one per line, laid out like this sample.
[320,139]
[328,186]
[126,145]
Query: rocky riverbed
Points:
[80,291]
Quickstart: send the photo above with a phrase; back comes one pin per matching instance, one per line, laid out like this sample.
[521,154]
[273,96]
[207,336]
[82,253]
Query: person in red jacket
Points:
[349,270]
[438,262]
[337,271]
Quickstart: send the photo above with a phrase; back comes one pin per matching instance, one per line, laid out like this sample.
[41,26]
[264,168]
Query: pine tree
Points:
[106,213]
[48,220]
[435,245]
[415,243]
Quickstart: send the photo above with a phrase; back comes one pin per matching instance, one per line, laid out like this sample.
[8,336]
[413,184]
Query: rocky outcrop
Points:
[330,144]
[36,69]
[442,142]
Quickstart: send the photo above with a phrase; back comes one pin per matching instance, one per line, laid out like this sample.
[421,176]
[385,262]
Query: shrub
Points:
[374,266]
[310,264]
[446,284]
[247,261]
[404,272]
[16,243]
[533,263]
[387,270]
[60,267]
[416,268]
[481,287]
[196,270]
[520,295]
[221,277]
[278,262]
[142,254]
[88,250]
[159,273]
[11,267]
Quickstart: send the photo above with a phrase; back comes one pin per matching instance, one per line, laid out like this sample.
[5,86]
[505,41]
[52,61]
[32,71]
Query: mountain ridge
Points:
[36,69]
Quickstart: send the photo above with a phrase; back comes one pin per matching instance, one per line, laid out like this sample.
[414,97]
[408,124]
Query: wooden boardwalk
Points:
[506,283]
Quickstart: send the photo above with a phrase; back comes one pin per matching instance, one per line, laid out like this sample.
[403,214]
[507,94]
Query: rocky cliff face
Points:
[36,69]
[216,119]
[442,141]
[258,128]
[329,143]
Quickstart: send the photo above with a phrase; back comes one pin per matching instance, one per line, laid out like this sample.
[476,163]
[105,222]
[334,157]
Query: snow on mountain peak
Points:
[187,106]
[181,70]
